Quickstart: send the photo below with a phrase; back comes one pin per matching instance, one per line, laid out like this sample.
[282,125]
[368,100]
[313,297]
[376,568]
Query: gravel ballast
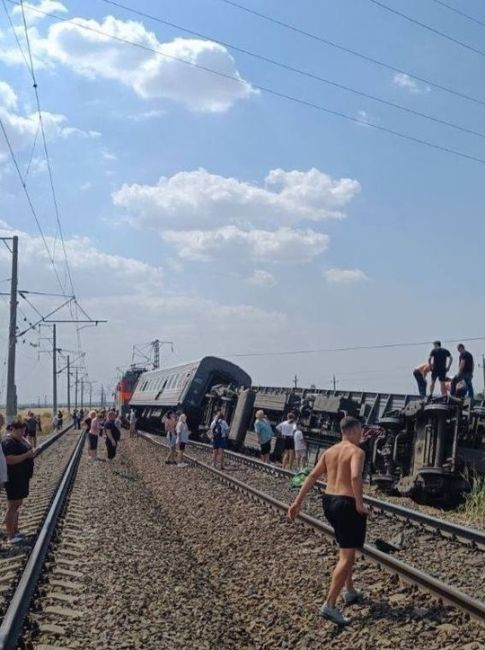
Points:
[175,560]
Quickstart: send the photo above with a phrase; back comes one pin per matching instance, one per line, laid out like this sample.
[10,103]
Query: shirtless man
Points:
[344,508]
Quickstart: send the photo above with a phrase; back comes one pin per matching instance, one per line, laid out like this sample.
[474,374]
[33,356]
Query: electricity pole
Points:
[82,393]
[69,384]
[334,384]
[156,354]
[76,381]
[11,410]
[54,370]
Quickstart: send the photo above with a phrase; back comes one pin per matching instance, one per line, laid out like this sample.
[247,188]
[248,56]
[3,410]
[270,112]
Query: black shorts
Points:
[439,373]
[289,442]
[92,441]
[110,449]
[17,490]
[348,524]
[266,447]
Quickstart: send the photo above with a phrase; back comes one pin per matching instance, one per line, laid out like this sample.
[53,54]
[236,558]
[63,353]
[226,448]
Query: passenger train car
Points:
[196,388]
[413,446]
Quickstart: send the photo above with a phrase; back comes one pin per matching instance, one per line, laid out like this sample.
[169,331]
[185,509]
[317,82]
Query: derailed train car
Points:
[198,389]
[414,447]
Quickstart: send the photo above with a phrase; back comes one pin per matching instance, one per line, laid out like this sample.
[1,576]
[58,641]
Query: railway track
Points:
[446,592]
[21,569]
[469,536]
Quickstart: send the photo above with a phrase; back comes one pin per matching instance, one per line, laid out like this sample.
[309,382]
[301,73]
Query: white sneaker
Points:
[333,614]
[182,464]
[15,540]
[351,597]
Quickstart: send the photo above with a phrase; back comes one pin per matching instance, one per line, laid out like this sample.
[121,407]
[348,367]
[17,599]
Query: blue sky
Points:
[223,260]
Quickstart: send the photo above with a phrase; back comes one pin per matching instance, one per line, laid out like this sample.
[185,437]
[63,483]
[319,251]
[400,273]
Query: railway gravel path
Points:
[47,472]
[157,557]
[444,558]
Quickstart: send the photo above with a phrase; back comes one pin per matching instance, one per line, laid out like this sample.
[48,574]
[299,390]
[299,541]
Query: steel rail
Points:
[471,536]
[45,444]
[14,618]
[446,593]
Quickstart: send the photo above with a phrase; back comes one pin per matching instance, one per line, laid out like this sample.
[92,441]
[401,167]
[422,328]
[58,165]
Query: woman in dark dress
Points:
[20,467]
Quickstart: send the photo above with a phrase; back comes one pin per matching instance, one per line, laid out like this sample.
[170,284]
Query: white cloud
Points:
[344,276]
[47,6]
[262,278]
[174,71]
[230,242]
[21,129]
[134,298]
[145,115]
[199,199]
[408,83]
[8,97]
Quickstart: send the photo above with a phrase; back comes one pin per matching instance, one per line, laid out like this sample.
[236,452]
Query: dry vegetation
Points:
[474,506]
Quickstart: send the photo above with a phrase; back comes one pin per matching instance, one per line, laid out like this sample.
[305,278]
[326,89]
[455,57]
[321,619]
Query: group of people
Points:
[77,418]
[438,365]
[101,424]
[295,448]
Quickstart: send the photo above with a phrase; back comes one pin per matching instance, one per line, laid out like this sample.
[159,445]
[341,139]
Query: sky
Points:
[206,198]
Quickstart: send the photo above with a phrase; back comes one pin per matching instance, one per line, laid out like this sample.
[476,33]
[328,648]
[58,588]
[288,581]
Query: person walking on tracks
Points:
[287,430]
[93,427]
[113,435]
[440,361]
[219,430]
[169,422]
[31,426]
[420,373]
[265,434]
[20,468]
[465,372]
[132,422]
[344,508]
[182,431]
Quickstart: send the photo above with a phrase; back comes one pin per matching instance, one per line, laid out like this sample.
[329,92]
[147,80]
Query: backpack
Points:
[299,478]
[217,428]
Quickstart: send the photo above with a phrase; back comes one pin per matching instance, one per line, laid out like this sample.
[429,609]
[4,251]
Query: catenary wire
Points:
[429,28]
[29,201]
[352,52]
[299,71]
[354,348]
[73,308]
[459,12]
[265,89]
[46,151]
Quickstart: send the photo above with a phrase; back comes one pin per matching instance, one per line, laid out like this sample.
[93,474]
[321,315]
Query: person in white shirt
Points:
[287,429]
[132,420]
[182,431]
[300,449]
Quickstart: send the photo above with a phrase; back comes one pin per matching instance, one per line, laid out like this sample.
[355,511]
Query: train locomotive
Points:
[414,447]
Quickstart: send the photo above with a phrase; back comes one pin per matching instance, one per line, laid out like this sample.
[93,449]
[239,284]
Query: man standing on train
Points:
[465,371]
[440,361]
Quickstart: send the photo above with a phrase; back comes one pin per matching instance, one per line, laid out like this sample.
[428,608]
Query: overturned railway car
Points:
[413,446]
[198,389]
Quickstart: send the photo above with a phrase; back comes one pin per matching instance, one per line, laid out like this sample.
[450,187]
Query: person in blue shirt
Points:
[265,433]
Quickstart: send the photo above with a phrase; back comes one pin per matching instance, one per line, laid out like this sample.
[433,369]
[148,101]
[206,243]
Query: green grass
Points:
[474,506]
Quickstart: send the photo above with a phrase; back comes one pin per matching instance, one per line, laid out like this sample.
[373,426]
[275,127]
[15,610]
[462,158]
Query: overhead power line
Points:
[353,52]
[305,73]
[46,150]
[429,28]
[459,12]
[353,348]
[265,89]
[29,201]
